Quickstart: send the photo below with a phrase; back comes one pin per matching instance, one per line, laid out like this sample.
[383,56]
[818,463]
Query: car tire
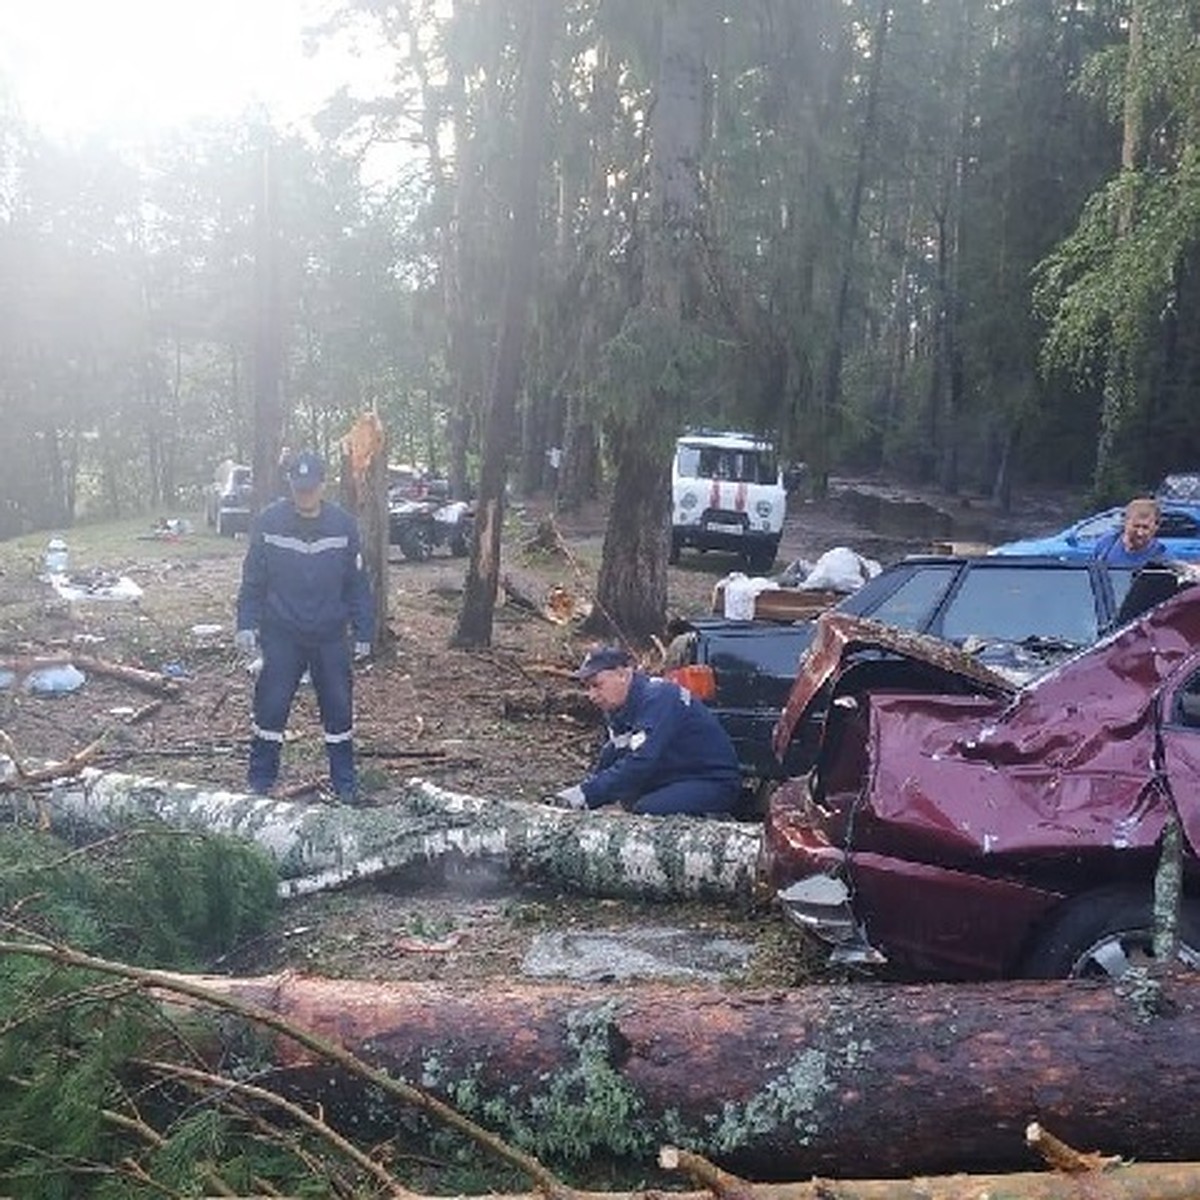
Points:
[222,525]
[673,553]
[415,544]
[1101,934]
[761,559]
[460,541]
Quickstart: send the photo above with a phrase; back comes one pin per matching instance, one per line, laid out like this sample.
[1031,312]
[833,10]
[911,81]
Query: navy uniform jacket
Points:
[660,735]
[304,575]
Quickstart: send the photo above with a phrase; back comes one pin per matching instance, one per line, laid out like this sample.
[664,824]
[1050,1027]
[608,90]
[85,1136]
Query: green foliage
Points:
[655,370]
[150,897]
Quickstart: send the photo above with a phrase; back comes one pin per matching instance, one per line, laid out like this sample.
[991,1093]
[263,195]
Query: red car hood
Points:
[1070,759]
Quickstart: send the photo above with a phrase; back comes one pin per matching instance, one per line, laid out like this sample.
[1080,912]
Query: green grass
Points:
[110,544]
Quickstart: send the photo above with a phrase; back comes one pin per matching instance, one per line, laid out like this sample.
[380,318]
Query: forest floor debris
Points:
[500,722]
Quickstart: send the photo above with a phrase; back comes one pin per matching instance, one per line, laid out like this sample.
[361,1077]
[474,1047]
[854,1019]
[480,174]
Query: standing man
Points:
[1134,544]
[666,751]
[303,587]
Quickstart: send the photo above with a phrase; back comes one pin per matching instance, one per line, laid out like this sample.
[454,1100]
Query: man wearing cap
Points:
[666,752]
[303,588]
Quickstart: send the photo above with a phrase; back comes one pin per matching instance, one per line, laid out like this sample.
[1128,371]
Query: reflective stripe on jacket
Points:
[305,575]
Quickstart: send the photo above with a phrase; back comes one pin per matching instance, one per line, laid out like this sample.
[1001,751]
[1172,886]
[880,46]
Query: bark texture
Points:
[856,1080]
[317,846]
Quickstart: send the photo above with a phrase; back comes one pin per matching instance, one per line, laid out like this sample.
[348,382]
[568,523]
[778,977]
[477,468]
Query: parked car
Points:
[1179,531]
[1184,486]
[1020,614]
[229,499]
[727,493]
[957,825]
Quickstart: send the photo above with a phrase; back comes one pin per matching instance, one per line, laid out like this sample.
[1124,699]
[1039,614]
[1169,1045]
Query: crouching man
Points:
[666,752]
[303,590]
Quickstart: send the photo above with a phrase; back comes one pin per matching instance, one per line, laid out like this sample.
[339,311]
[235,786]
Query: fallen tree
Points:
[850,1080]
[311,1136]
[320,846]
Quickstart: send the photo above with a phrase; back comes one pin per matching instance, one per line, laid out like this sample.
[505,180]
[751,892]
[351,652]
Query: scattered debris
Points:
[96,585]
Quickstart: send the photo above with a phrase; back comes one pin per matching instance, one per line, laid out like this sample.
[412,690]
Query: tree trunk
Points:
[855,1080]
[316,846]
[631,588]
[474,627]
[364,491]
[268,333]
[631,591]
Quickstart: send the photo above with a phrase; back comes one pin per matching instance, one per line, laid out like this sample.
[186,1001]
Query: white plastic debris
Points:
[739,594]
[55,680]
[841,570]
[109,587]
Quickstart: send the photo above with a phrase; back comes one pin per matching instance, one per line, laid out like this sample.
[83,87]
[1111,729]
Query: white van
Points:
[727,494]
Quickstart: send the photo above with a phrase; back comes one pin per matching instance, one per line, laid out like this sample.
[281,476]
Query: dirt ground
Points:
[481,722]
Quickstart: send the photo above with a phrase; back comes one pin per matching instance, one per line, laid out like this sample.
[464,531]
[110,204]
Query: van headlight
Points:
[763,508]
[689,500]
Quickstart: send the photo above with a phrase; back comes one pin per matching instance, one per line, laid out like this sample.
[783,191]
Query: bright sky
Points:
[81,66]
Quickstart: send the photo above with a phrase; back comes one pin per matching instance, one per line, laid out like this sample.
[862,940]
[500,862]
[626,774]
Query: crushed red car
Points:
[958,826]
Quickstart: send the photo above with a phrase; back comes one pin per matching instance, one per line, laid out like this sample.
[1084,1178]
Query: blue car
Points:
[1179,531]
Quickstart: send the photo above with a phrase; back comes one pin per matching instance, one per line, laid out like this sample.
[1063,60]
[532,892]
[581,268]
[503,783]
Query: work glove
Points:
[571,797]
[362,651]
[245,641]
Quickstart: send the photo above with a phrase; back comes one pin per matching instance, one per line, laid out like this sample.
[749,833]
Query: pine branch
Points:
[162,981]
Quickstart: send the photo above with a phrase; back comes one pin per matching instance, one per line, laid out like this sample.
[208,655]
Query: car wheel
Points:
[1102,934]
[222,524]
[415,544]
[460,542]
[760,560]
[673,553]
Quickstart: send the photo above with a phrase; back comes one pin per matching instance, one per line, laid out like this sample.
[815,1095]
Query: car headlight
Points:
[763,508]
[689,500]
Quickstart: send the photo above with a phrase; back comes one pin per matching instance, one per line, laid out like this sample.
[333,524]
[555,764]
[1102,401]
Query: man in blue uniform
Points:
[666,752]
[303,586]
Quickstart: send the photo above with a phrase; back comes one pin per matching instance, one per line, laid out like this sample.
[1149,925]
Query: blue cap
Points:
[603,658]
[307,470]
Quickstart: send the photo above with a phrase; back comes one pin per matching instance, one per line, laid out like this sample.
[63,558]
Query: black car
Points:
[1018,615]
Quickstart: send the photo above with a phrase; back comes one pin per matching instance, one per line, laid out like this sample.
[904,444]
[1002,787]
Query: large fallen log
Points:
[317,846]
[855,1080]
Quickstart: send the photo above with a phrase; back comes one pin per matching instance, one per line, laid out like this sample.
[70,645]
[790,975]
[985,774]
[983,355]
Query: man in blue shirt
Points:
[303,585]
[1134,544]
[666,751]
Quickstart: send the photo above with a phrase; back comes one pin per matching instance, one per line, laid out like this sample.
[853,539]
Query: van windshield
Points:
[720,462]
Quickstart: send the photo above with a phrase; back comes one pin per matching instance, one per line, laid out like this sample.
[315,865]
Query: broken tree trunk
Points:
[316,846]
[851,1080]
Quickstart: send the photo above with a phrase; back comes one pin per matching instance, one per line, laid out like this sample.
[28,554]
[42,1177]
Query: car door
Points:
[1179,531]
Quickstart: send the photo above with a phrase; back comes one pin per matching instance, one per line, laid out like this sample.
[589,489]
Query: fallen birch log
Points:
[316,846]
[855,1080]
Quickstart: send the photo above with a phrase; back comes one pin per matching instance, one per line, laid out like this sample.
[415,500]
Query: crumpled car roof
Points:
[1069,759]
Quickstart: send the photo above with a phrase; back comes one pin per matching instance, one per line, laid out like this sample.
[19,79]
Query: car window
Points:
[1120,578]
[1176,524]
[1098,526]
[1012,604]
[912,604]
[722,462]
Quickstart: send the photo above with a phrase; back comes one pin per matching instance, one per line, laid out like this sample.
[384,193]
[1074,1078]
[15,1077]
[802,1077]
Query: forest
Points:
[952,241]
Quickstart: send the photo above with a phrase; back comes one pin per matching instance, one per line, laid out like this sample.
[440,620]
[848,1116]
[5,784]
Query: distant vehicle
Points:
[229,499]
[955,825]
[1179,531]
[1022,615]
[727,493]
[1184,486]
[419,527]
